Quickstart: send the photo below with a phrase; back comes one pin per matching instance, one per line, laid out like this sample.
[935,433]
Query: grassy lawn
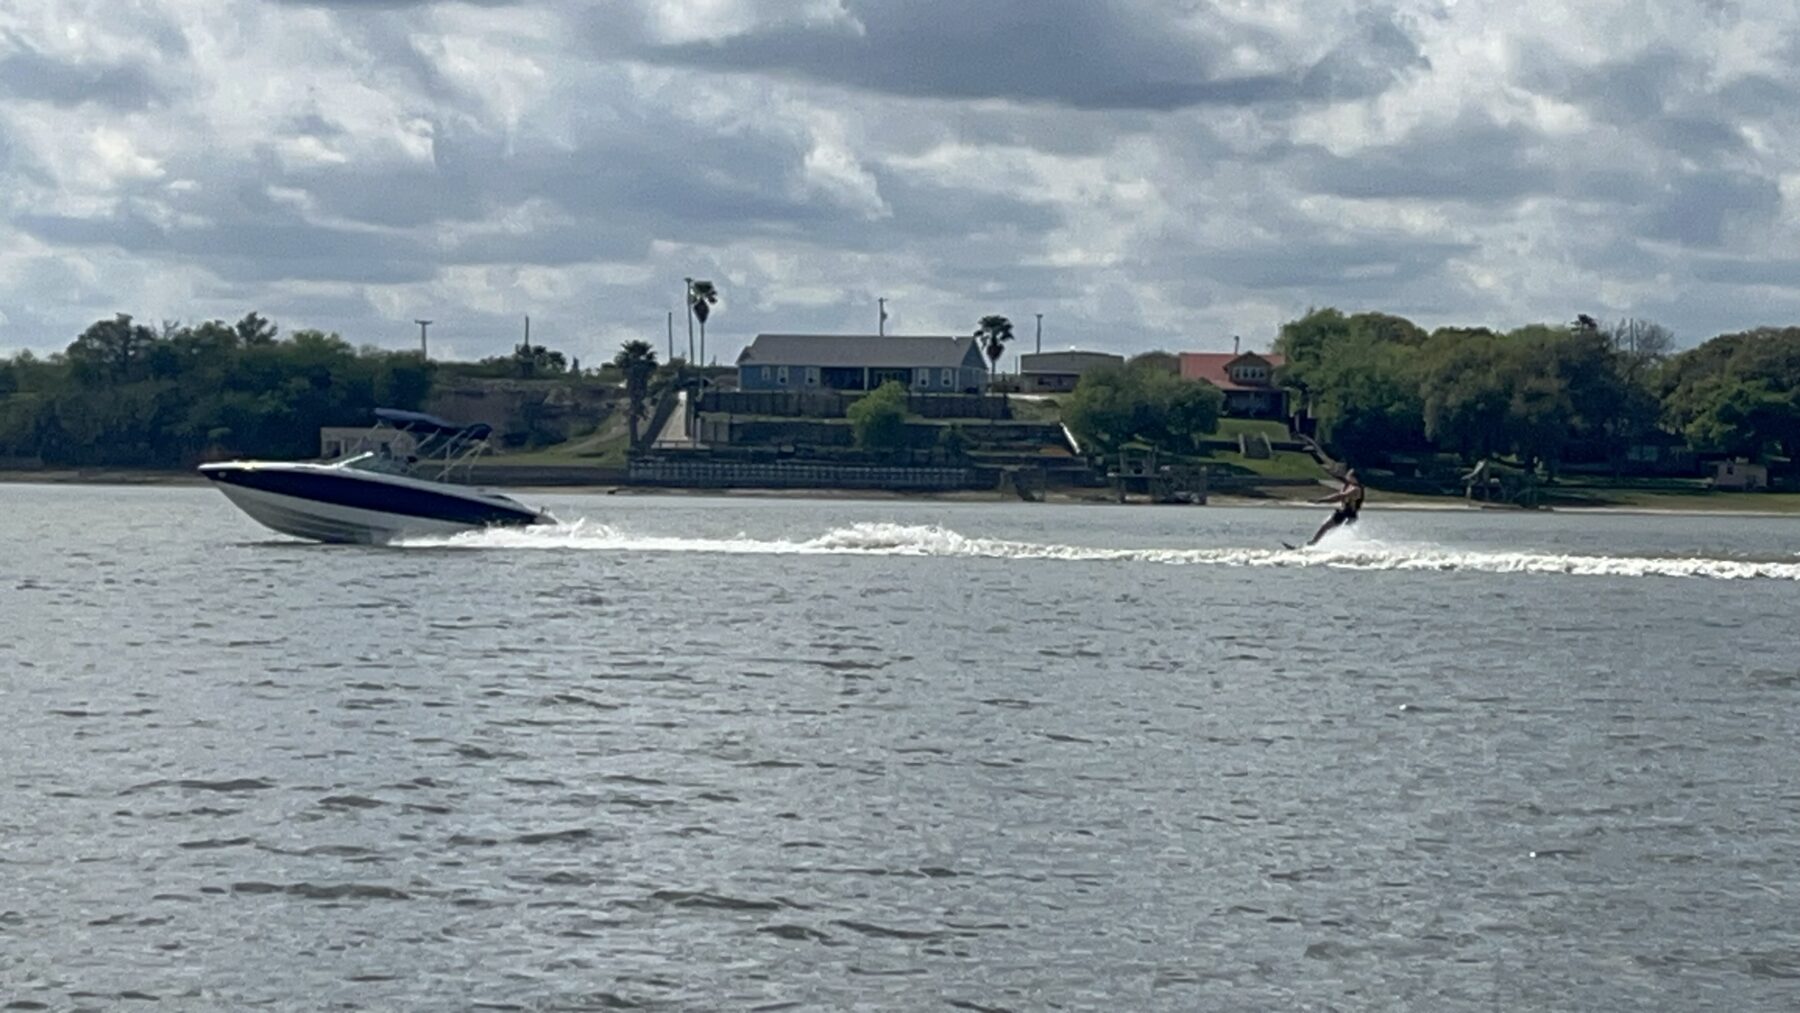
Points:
[1281,465]
[1661,485]
[746,417]
[1036,409]
[1667,495]
[555,456]
[1582,491]
[605,446]
[1659,494]
[1023,411]
[1231,429]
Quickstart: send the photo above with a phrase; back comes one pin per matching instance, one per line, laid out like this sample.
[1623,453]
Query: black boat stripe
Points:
[344,490]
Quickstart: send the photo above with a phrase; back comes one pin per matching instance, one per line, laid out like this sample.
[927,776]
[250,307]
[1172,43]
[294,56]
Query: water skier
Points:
[1349,500]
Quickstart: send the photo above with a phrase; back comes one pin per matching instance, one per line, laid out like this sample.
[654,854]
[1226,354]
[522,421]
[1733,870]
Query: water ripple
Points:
[742,754]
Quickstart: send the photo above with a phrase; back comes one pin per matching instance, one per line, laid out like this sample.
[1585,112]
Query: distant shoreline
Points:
[102,476]
[1738,505]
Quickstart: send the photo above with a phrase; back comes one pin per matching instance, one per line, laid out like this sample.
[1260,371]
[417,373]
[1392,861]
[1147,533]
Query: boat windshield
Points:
[437,450]
[369,460]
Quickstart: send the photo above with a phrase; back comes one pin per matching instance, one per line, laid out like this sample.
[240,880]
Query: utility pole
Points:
[881,319]
[528,333]
[688,300]
[1040,334]
[671,335]
[423,352]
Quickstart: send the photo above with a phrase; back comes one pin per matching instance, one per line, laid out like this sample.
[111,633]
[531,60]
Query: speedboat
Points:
[376,496]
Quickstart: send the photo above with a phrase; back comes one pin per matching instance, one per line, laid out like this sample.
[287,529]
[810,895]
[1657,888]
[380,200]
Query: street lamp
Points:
[688,301]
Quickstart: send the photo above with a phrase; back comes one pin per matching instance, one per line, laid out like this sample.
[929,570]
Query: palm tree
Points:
[701,297]
[992,335]
[530,360]
[637,361]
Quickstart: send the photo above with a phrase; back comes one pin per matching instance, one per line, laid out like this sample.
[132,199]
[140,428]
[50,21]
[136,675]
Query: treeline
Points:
[127,395]
[1145,401]
[1380,386]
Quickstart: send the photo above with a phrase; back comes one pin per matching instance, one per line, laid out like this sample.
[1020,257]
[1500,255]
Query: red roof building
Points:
[1248,380]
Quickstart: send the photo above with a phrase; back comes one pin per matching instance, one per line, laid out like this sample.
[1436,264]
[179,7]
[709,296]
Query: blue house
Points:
[926,364]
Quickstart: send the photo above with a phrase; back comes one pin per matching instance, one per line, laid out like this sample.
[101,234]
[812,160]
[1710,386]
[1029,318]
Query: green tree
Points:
[1538,419]
[1609,402]
[34,375]
[1388,329]
[1303,342]
[1308,341]
[1642,344]
[1168,362]
[256,329]
[1190,411]
[127,395]
[111,352]
[529,361]
[1747,418]
[992,334]
[878,419]
[1102,410]
[1117,405]
[1731,393]
[1464,394]
[636,361]
[1366,396]
[401,379]
[1534,392]
[1356,374]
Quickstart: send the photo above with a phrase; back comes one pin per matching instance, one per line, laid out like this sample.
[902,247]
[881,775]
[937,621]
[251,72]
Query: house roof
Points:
[1215,368]
[1071,361]
[859,350]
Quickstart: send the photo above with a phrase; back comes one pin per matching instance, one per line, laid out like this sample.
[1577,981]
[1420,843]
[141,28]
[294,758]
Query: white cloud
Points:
[707,20]
[1185,173]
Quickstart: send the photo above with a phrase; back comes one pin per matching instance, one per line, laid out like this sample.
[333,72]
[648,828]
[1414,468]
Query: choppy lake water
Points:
[757,753]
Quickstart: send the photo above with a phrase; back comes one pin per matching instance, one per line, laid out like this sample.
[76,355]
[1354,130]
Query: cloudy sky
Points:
[1144,174]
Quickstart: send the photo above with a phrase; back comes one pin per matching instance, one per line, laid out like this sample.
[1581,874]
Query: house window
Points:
[781,375]
[947,378]
[812,376]
[921,378]
[767,374]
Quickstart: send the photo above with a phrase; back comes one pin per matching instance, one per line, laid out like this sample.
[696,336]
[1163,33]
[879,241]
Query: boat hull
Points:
[330,504]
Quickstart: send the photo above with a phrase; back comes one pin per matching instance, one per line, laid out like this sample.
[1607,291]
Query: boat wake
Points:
[885,539]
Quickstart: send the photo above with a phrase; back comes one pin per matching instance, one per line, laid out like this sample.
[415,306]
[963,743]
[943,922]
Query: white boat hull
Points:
[331,504]
[329,522]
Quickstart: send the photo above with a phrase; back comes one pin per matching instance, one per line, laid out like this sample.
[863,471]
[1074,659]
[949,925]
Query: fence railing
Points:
[796,475]
[827,404]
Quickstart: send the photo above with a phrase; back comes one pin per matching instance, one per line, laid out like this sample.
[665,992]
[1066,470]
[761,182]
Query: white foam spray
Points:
[886,539]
